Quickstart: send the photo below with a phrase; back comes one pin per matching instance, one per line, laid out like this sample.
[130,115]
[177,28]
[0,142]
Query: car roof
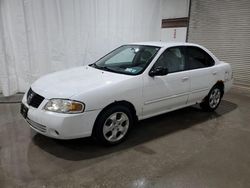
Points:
[165,44]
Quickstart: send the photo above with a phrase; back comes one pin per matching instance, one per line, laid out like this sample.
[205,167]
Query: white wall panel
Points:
[174,34]
[38,37]
[175,8]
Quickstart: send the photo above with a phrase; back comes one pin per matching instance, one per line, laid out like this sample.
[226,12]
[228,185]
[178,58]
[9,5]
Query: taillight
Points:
[226,76]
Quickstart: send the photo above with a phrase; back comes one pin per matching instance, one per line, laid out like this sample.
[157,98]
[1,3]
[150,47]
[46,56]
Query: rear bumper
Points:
[228,84]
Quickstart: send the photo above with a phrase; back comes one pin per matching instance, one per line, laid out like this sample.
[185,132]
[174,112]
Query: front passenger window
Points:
[173,59]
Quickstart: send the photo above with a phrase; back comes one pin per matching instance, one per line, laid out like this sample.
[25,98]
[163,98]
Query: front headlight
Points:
[64,106]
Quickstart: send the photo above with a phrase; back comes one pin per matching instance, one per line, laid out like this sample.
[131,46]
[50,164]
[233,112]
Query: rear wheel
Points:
[113,124]
[213,99]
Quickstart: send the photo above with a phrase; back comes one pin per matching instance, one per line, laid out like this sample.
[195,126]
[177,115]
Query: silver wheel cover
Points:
[116,126]
[214,98]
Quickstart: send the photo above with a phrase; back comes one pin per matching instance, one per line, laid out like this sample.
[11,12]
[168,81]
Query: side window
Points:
[173,59]
[198,58]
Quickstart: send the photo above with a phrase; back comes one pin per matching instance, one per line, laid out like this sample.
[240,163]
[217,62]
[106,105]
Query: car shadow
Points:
[144,131]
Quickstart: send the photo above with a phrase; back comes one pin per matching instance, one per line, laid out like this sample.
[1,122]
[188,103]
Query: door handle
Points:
[185,79]
[215,72]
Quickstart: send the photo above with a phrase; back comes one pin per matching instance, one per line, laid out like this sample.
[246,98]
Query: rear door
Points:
[202,73]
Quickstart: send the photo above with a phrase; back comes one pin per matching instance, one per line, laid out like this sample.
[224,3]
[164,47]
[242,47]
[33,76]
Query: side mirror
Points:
[158,71]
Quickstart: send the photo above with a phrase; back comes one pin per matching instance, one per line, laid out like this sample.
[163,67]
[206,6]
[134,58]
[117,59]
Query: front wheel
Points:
[112,125]
[212,100]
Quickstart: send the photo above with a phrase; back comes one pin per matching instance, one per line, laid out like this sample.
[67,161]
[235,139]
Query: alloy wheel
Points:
[214,98]
[116,126]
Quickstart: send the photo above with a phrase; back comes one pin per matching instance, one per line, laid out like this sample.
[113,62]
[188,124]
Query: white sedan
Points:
[133,82]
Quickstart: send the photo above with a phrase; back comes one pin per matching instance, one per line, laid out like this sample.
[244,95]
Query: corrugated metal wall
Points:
[223,26]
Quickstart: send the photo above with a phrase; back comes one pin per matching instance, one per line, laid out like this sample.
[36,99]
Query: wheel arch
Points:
[221,85]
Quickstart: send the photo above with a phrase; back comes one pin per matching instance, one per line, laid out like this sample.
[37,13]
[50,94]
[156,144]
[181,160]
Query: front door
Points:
[163,93]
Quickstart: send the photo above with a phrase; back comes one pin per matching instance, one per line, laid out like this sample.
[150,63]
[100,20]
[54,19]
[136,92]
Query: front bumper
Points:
[60,126]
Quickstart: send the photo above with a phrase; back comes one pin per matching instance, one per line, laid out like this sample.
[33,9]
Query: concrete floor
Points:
[185,148]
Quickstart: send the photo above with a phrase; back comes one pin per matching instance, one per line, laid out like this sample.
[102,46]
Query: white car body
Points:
[97,89]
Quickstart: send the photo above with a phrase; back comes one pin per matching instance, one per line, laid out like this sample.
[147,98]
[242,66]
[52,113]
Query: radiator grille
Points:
[34,99]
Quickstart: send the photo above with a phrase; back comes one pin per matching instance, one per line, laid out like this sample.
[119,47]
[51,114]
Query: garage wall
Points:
[224,28]
[38,37]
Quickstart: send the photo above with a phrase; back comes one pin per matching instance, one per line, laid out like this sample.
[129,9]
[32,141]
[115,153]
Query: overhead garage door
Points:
[223,26]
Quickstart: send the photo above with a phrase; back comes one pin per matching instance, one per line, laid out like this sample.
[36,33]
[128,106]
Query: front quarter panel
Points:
[129,90]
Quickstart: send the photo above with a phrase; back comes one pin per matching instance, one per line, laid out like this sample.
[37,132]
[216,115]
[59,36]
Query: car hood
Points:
[76,81]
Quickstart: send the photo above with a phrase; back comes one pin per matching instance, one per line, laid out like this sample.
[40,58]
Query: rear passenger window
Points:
[198,58]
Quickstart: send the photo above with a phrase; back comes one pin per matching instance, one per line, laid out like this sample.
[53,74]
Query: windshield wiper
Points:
[106,68]
[102,67]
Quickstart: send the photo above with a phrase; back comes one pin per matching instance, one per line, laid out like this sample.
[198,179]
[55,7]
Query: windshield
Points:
[128,59]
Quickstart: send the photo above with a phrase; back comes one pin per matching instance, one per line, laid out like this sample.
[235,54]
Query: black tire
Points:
[105,118]
[207,104]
